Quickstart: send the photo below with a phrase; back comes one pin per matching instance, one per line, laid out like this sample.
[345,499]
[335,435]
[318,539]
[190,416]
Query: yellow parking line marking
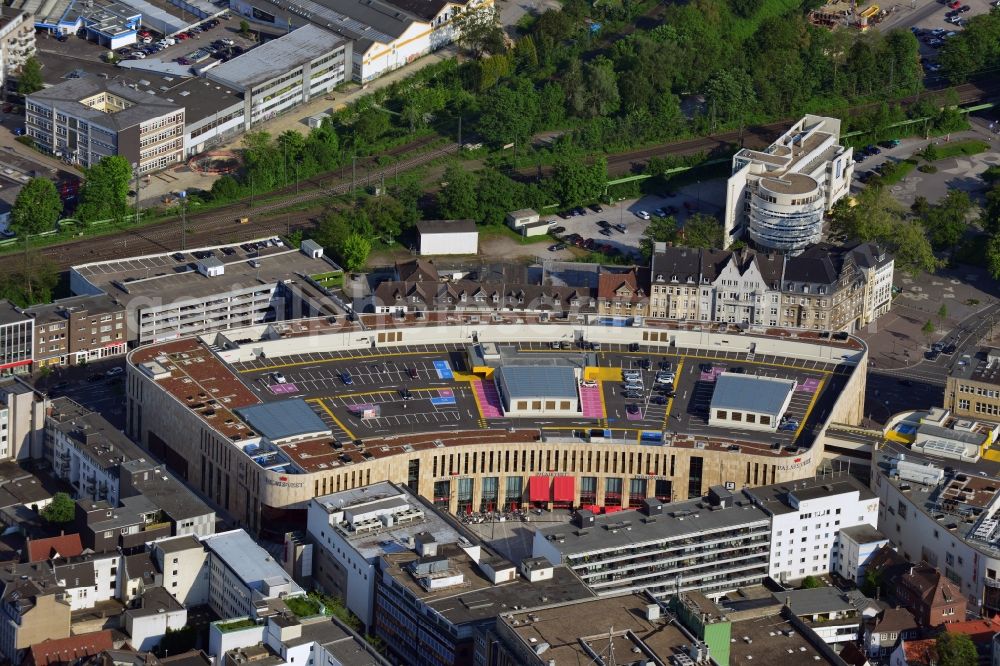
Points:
[334,417]
[479,406]
[604,404]
[670,402]
[812,403]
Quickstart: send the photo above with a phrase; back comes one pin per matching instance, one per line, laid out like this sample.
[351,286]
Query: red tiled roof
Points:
[980,631]
[920,653]
[67,545]
[69,650]
[609,283]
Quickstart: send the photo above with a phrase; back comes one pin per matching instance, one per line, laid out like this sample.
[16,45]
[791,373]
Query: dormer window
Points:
[673,278]
[659,277]
[805,289]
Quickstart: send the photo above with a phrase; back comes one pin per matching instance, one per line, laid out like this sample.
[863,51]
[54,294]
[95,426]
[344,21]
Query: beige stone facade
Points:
[472,469]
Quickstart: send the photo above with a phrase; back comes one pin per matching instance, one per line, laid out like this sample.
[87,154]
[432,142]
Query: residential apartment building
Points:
[824,287]
[713,546]
[621,295]
[932,598]
[17,336]
[776,198]
[806,516]
[304,64]
[243,577]
[973,387]
[78,330]
[22,417]
[183,562]
[17,44]
[32,608]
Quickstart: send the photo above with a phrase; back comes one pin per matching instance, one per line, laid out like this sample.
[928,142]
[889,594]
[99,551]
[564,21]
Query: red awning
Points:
[538,489]
[562,489]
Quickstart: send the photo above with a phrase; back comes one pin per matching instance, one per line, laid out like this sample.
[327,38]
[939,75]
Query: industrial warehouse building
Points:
[538,390]
[749,402]
[448,237]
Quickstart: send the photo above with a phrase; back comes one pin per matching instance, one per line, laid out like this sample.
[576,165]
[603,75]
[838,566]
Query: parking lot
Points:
[60,58]
[628,215]
[426,388]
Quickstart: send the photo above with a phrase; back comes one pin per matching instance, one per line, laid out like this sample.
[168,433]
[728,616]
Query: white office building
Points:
[243,576]
[855,547]
[776,198]
[806,516]
[306,63]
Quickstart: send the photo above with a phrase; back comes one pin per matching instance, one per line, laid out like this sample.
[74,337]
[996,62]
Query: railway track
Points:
[218,226]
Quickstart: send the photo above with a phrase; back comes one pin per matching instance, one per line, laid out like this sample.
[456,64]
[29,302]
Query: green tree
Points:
[659,230]
[385,214]
[29,80]
[479,30]
[942,312]
[244,27]
[574,182]
[369,127]
[226,188]
[945,221]
[509,115]
[36,209]
[61,509]
[104,194]
[457,198]
[729,95]
[993,256]
[928,328]
[872,583]
[703,231]
[956,650]
[811,582]
[354,251]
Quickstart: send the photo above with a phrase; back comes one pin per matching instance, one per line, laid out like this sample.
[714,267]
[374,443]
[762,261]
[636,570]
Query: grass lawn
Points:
[493,231]
[956,148]
[770,8]
[236,625]
[900,171]
[331,280]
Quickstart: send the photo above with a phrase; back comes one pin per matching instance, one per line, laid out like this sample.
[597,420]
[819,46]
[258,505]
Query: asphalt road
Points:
[921,385]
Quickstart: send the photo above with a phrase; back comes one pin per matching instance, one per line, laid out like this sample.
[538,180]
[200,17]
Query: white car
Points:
[138,54]
[590,383]
[642,215]
[278,378]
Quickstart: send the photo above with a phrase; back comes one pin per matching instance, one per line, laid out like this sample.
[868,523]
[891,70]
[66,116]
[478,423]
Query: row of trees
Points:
[973,51]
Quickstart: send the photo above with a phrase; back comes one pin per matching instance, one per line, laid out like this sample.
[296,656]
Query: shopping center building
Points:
[398,404]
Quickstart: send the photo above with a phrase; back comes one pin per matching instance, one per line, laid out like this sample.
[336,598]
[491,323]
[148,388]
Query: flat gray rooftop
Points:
[249,561]
[525,381]
[478,599]
[678,520]
[284,418]
[166,279]
[775,498]
[750,393]
[277,57]
[373,545]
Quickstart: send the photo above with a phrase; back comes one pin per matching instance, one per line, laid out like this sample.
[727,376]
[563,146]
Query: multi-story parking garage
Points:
[399,403]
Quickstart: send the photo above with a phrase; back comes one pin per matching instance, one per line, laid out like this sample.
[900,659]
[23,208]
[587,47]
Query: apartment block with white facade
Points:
[22,415]
[713,546]
[776,197]
[806,516]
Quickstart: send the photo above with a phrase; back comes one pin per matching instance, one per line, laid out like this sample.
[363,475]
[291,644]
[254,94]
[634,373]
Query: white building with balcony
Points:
[806,516]
[776,198]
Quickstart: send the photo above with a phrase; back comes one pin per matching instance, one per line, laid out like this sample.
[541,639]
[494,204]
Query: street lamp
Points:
[135,172]
[183,197]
